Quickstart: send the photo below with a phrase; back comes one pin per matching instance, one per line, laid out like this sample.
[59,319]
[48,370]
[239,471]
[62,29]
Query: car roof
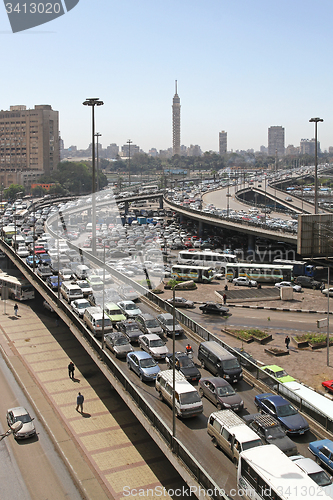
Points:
[18,410]
[274,368]
[217,381]
[141,354]
[308,465]
[274,398]
[150,336]
[165,316]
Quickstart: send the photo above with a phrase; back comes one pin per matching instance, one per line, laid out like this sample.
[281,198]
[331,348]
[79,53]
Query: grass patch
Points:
[313,338]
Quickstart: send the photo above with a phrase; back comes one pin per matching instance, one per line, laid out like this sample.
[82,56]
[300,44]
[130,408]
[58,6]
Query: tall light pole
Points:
[315,121]
[20,192]
[129,142]
[92,102]
[97,166]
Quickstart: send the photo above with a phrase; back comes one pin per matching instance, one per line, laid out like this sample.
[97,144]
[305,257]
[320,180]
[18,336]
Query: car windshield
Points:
[147,363]
[121,341]
[274,433]
[252,444]
[95,279]
[152,323]
[130,307]
[84,285]
[157,343]
[225,391]
[131,328]
[23,418]
[114,310]
[231,364]
[286,410]
[186,362]
[281,373]
[189,398]
[321,478]
[169,322]
[83,305]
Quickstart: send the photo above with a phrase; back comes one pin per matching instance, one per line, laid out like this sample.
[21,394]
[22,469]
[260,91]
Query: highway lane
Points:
[30,469]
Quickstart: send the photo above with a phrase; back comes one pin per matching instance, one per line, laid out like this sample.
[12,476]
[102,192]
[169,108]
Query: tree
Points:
[12,190]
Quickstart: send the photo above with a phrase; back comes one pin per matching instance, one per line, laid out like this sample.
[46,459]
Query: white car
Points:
[129,309]
[296,288]
[315,472]
[79,306]
[20,414]
[153,345]
[328,290]
[22,251]
[243,281]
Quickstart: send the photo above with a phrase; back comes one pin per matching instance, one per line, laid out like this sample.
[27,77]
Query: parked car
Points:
[278,373]
[21,414]
[118,343]
[79,306]
[270,432]
[327,291]
[220,393]
[307,282]
[129,309]
[323,451]
[214,308]
[154,345]
[130,328]
[283,411]
[166,322]
[181,302]
[143,365]
[315,472]
[296,288]
[243,281]
[185,365]
[328,384]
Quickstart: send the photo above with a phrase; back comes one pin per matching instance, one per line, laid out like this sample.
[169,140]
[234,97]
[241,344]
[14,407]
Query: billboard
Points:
[315,235]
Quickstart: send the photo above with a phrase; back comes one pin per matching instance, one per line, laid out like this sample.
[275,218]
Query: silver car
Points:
[154,345]
[21,414]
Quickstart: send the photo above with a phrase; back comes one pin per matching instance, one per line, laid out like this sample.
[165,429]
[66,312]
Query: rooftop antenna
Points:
[176,86]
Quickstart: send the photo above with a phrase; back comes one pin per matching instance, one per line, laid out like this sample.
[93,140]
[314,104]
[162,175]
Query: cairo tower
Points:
[176,123]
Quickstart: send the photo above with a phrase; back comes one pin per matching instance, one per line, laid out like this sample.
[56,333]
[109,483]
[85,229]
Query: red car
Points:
[38,250]
[328,384]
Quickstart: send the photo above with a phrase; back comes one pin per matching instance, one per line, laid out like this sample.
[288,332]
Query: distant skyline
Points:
[241,67]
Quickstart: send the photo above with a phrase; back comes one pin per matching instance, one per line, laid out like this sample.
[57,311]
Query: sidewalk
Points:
[105,447]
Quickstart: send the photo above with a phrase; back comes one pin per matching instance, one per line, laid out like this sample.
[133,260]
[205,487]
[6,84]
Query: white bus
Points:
[262,273]
[206,258]
[18,287]
[266,473]
[199,274]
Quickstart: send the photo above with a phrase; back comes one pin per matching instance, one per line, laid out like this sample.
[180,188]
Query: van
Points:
[81,271]
[219,361]
[70,291]
[229,432]
[307,282]
[187,400]
[93,318]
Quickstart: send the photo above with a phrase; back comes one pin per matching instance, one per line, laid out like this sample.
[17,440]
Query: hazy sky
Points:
[241,66]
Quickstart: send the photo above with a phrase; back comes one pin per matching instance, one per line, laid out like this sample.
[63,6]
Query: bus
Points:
[304,268]
[18,287]
[199,274]
[266,473]
[206,258]
[262,273]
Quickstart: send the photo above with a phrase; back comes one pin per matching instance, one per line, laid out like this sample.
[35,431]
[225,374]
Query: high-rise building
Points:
[276,141]
[307,147]
[176,123]
[29,141]
[223,142]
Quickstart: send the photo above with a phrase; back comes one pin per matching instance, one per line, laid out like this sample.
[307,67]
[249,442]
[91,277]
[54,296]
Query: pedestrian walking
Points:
[71,369]
[15,309]
[79,402]
[224,296]
[287,341]
[226,288]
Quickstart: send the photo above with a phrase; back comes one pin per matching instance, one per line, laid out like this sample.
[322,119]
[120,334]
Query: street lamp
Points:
[315,121]
[177,286]
[20,192]
[92,102]
[97,166]
[129,142]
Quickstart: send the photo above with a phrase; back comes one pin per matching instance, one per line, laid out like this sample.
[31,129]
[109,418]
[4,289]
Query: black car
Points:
[130,328]
[214,308]
[185,365]
[271,432]
[307,282]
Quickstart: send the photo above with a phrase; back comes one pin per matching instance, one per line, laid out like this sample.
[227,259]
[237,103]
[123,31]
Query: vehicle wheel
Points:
[221,313]
[219,406]
[129,366]
[203,365]
[160,397]
[235,461]
[141,377]
[236,284]
[215,443]
[200,392]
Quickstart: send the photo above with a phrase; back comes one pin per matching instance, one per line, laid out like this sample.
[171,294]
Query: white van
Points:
[231,434]
[187,400]
[81,271]
[70,291]
[93,318]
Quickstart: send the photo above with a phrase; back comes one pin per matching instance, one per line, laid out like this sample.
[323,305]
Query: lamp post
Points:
[174,288]
[97,166]
[92,102]
[129,142]
[315,121]
[20,192]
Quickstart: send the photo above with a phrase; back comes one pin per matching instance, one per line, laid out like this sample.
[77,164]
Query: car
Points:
[328,385]
[22,251]
[79,306]
[48,306]
[129,309]
[246,359]
[118,343]
[278,407]
[54,282]
[65,274]
[130,328]
[85,287]
[323,451]
[44,271]
[95,282]
[45,258]
[289,198]
[307,282]
[21,414]
[104,275]
[148,324]
[30,261]
[143,365]
[243,281]
[214,308]
[270,432]
[315,472]
[327,291]
[296,288]
[166,321]
[127,292]
[185,365]
[181,302]
[114,312]
[154,345]
[220,393]
[278,373]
